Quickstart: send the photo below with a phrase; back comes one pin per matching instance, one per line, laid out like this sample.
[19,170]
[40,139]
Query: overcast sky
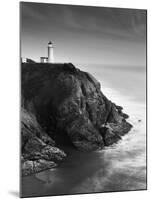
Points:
[84,34]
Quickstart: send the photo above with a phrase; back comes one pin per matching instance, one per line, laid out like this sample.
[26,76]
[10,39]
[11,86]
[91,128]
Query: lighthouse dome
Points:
[49,42]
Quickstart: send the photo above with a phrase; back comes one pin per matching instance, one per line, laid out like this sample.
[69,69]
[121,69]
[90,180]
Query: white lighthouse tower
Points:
[50,53]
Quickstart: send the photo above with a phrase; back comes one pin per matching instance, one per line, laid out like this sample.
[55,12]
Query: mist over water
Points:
[128,81]
[119,167]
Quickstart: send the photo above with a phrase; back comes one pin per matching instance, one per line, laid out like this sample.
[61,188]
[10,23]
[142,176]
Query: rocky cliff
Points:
[62,104]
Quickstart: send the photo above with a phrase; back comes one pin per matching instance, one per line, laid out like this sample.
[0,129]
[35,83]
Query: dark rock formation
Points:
[67,103]
[38,149]
[33,166]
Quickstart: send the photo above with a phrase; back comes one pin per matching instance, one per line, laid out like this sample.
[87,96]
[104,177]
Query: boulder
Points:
[30,167]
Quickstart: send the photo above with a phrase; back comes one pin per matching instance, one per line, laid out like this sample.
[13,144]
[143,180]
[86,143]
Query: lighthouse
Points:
[50,52]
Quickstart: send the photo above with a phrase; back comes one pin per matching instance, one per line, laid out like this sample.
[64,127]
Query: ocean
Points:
[120,167]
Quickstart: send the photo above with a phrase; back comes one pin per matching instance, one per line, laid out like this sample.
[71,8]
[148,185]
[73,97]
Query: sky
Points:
[84,34]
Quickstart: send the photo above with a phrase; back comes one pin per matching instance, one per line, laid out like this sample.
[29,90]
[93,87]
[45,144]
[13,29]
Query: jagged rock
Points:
[120,128]
[30,167]
[83,134]
[31,129]
[110,137]
[53,153]
[38,150]
[67,101]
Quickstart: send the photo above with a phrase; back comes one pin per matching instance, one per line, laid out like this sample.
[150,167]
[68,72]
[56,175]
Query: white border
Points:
[9,98]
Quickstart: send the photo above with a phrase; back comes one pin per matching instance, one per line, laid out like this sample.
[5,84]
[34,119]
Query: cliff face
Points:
[68,103]
[38,151]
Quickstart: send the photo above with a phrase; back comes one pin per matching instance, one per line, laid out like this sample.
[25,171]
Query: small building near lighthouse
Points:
[43,59]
